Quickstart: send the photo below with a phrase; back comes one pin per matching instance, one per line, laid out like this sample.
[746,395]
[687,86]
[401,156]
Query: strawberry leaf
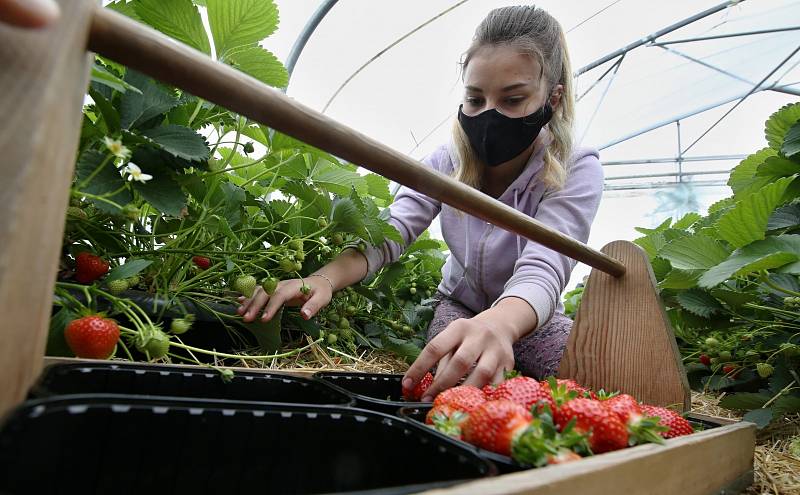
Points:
[178,19]
[694,252]
[129,269]
[261,64]
[761,417]
[779,123]
[179,141]
[240,23]
[791,143]
[699,302]
[747,221]
[772,252]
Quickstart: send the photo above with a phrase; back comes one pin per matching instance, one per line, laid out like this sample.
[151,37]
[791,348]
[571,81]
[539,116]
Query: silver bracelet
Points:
[326,278]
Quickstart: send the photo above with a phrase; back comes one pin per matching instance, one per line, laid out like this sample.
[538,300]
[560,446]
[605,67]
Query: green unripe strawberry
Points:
[322,222]
[269,285]
[725,355]
[413,284]
[712,342]
[407,330]
[286,264]
[333,316]
[75,213]
[343,323]
[131,212]
[332,338]
[117,287]
[134,280]
[248,148]
[337,239]
[154,342]
[764,370]
[396,326]
[350,310]
[299,256]
[180,326]
[714,360]
[304,289]
[298,266]
[245,285]
[412,290]
[790,350]
[226,374]
[296,244]
[428,293]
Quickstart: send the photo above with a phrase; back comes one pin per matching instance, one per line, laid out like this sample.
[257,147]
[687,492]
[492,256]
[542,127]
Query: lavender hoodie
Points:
[487,263]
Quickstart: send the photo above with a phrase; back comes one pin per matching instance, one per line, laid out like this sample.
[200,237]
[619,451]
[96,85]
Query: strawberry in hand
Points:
[419,390]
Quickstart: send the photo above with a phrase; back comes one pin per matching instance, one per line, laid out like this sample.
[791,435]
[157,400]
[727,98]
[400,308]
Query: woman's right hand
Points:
[28,13]
[289,293]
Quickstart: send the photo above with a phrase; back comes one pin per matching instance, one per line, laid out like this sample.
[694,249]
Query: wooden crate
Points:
[621,338]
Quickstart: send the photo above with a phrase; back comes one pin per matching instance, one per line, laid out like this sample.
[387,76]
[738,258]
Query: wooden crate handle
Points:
[146,50]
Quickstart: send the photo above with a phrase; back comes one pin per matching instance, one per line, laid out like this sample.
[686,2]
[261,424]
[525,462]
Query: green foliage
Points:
[734,280]
[729,280]
[183,198]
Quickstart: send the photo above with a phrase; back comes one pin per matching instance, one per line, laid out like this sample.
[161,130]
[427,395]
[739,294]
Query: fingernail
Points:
[406,382]
[306,313]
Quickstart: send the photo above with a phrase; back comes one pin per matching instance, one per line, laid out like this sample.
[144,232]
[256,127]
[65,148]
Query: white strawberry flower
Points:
[323,240]
[116,148]
[135,173]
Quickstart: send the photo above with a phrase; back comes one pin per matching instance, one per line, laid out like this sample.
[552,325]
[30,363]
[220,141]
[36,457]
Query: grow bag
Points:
[132,445]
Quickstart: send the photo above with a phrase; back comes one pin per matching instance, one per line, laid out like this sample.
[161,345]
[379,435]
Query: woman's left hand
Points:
[484,341]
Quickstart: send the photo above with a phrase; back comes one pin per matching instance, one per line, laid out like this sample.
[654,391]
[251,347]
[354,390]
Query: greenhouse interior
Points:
[442,246]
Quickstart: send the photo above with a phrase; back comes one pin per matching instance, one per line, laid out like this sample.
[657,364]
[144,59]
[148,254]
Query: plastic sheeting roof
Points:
[407,96]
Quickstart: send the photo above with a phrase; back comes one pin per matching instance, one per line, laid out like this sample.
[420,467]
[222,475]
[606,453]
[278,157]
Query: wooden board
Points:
[622,339]
[700,464]
[43,79]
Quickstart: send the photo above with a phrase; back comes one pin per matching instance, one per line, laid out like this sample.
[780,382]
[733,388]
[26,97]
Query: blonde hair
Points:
[535,32]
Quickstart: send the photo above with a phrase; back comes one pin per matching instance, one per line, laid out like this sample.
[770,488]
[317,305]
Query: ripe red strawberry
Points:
[562,456]
[463,398]
[89,267]
[677,425]
[624,406]
[495,425]
[92,336]
[731,370]
[571,385]
[522,390]
[446,420]
[417,392]
[641,429]
[606,431]
[705,359]
[202,262]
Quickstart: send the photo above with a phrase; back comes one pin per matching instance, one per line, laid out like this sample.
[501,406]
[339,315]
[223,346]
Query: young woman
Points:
[499,300]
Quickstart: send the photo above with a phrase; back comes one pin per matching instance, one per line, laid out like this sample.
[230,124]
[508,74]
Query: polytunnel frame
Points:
[617,57]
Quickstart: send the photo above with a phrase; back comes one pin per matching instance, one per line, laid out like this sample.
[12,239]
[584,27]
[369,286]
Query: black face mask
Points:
[496,138]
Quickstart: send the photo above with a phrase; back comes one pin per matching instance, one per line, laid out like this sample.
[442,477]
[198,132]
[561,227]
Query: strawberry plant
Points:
[178,206]
[729,280]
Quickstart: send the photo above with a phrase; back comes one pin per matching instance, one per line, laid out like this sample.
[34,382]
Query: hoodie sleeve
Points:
[540,274]
[410,213]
